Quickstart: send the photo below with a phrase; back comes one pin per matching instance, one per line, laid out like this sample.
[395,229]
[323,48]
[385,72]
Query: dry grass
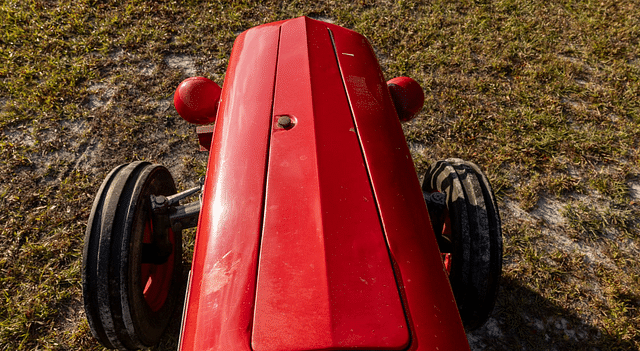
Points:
[543,95]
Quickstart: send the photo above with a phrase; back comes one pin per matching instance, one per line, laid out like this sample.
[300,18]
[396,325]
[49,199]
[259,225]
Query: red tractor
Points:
[313,232]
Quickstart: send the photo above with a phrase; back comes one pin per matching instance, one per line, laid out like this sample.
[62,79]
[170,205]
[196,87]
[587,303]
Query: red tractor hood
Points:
[313,233]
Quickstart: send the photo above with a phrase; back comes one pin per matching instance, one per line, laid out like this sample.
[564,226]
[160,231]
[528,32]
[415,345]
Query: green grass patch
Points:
[543,96]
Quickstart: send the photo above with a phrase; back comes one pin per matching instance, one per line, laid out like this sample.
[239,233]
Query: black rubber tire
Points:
[119,316]
[476,236]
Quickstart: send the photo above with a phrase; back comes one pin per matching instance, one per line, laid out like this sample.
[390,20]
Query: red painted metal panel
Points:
[325,279]
[221,292]
[429,302]
[205,136]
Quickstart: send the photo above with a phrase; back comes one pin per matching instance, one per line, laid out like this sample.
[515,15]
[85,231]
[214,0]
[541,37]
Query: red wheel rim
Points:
[446,232]
[447,258]
[156,278]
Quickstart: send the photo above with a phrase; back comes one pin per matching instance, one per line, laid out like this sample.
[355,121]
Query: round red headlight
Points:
[196,100]
[407,96]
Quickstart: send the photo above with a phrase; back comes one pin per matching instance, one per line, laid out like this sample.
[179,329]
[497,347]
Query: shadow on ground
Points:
[524,320]
[171,336]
